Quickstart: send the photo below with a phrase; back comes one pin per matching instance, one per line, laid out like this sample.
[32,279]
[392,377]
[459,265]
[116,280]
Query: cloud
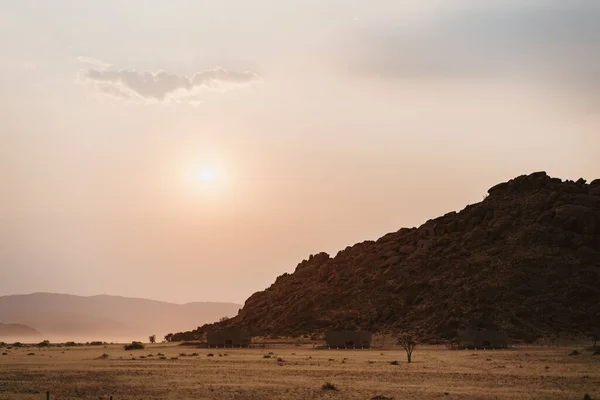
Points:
[161,86]
[553,43]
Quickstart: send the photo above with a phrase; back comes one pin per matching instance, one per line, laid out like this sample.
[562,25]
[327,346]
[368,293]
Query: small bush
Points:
[70,344]
[160,355]
[329,386]
[45,343]
[174,358]
[267,356]
[395,363]
[4,354]
[331,359]
[280,359]
[162,358]
[134,346]
[194,355]
[103,357]
[31,354]
[2,344]
[17,344]
[574,353]
[379,397]
[150,355]
[210,355]
[182,355]
[96,343]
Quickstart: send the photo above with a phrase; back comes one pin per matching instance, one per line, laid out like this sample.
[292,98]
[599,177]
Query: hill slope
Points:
[104,316]
[16,330]
[526,259]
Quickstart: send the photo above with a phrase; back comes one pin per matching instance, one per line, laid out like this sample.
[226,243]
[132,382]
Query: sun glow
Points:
[205,178]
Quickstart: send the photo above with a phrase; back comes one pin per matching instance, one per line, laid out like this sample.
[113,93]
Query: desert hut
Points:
[228,338]
[348,339]
[482,339]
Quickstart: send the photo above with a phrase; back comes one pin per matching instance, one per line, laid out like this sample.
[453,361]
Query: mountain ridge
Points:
[58,314]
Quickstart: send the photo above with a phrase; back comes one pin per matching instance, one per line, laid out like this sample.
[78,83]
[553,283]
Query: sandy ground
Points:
[436,373]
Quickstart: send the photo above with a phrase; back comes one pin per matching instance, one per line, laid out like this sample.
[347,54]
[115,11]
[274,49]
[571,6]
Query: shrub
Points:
[2,344]
[4,354]
[280,359]
[574,353]
[31,354]
[379,397]
[45,343]
[103,357]
[174,358]
[162,358]
[194,355]
[329,386]
[395,363]
[134,346]
[267,356]
[17,344]
[96,343]
[182,355]
[210,355]
[160,355]
[70,344]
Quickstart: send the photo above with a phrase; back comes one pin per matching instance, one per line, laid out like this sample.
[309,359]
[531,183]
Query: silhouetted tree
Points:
[152,338]
[408,342]
[168,337]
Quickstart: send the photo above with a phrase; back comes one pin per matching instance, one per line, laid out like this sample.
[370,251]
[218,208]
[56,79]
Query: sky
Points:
[194,150]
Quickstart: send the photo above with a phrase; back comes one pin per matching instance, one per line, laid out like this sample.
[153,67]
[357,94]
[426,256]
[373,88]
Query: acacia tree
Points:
[408,342]
[152,338]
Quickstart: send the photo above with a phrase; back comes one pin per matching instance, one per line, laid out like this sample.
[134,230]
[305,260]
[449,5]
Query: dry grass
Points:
[84,373]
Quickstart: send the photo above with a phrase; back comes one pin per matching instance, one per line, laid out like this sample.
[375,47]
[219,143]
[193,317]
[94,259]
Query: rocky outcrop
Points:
[525,260]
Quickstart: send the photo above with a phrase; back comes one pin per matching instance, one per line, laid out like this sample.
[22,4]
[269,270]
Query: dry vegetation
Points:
[163,372]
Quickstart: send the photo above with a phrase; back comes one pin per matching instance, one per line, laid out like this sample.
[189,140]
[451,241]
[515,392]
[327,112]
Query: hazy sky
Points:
[190,150]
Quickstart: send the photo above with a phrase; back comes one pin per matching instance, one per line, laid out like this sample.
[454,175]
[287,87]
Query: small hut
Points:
[228,338]
[482,339]
[348,339]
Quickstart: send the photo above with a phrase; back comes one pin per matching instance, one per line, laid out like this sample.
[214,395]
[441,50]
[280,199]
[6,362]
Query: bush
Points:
[45,343]
[280,359]
[395,363]
[2,344]
[162,358]
[70,344]
[182,355]
[4,354]
[210,355]
[329,386]
[17,344]
[103,357]
[31,354]
[134,346]
[574,353]
[96,343]
[379,397]
[267,356]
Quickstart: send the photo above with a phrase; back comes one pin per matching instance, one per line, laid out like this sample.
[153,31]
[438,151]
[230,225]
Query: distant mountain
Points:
[17,330]
[105,316]
[526,260]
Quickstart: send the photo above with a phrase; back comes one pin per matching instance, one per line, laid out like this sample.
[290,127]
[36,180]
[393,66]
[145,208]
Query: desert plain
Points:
[168,371]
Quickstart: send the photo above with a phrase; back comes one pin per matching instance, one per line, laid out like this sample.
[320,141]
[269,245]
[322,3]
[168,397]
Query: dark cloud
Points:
[556,42]
[161,85]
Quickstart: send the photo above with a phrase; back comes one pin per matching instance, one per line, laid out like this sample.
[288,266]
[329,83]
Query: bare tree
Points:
[152,338]
[408,342]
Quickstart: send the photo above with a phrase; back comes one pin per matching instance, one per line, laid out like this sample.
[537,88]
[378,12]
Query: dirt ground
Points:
[295,373]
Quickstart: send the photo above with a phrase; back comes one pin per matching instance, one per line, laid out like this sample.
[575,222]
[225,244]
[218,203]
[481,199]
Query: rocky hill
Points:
[526,259]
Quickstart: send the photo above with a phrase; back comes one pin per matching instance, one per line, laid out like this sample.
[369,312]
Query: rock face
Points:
[525,260]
